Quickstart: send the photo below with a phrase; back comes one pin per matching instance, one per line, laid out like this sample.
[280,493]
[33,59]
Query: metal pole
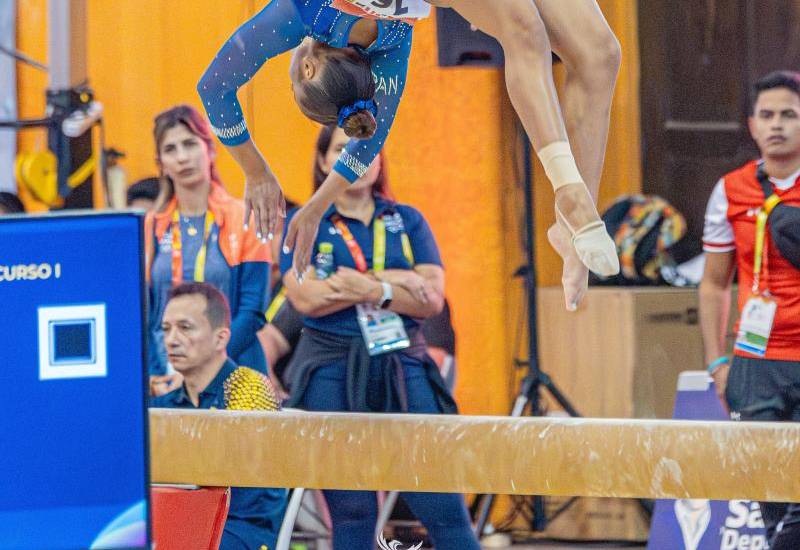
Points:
[67,43]
[539,522]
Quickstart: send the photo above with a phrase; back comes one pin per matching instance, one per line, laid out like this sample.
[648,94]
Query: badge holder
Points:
[383,330]
[758,314]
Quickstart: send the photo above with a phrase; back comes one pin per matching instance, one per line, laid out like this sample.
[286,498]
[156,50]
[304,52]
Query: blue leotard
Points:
[281,26]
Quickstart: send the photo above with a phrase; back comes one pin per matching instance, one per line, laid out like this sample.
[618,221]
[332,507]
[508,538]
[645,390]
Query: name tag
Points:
[383,330]
[755,325]
[385,9]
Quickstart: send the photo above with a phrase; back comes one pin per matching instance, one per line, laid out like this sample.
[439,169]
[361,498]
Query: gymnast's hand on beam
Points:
[263,197]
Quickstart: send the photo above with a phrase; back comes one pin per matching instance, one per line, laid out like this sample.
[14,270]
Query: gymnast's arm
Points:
[275,29]
[390,68]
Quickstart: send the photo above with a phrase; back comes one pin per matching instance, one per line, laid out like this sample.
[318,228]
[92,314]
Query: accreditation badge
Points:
[383,330]
[755,325]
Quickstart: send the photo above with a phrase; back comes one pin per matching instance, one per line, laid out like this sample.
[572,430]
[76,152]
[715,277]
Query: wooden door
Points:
[699,59]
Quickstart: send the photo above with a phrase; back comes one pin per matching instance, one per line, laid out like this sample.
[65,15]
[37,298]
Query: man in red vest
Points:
[741,231]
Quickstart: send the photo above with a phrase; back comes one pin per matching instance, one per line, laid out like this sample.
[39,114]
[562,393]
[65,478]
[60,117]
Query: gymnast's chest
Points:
[403,10]
[333,26]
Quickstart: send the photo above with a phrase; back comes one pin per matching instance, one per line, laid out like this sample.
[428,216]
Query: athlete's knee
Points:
[522,30]
[608,53]
[598,61]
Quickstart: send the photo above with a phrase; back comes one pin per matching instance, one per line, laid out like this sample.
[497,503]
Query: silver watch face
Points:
[387,292]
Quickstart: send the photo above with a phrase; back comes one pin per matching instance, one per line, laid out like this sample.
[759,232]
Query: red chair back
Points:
[189,518]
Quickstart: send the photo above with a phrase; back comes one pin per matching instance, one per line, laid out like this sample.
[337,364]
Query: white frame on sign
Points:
[50,368]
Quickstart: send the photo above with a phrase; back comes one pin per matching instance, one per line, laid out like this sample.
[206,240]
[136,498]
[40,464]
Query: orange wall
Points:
[450,151]
[31,83]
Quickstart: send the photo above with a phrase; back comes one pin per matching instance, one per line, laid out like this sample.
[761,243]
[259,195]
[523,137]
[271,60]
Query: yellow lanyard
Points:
[378,244]
[276,304]
[177,250]
[761,237]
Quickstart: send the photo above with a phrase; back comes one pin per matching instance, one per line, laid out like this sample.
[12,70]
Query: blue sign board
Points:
[73,426]
[700,524]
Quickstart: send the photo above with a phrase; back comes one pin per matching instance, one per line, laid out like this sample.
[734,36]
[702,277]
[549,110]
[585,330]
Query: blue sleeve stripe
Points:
[345,171]
[238,140]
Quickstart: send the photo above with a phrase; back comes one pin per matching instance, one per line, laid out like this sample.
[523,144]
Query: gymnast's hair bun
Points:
[360,125]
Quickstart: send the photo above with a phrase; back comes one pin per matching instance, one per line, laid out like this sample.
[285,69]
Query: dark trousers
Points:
[354,514]
[769,390]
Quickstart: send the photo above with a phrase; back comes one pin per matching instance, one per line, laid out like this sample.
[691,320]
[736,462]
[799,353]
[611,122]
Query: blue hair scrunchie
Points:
[360,105]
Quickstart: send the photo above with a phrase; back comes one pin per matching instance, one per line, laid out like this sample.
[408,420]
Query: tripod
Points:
[529,393]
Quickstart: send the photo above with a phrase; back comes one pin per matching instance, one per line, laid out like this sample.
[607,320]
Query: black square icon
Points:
[72,341]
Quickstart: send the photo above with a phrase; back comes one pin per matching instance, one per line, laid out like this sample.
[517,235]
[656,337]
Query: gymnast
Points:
[349,67]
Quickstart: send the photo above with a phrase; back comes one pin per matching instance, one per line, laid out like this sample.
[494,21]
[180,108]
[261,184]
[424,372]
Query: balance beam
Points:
[478,454]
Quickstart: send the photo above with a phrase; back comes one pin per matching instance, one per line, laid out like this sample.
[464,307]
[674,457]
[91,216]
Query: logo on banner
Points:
[394,545]
[693,517]
[704,524]
[743,515]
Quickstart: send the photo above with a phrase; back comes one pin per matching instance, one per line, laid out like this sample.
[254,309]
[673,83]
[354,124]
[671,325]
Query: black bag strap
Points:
[763,179]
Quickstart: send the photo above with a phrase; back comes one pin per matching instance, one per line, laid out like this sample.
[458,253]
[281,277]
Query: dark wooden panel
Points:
[703,39]
[776,26]
[692,180]
[699,59]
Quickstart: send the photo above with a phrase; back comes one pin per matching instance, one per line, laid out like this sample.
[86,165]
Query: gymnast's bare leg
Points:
[591,54]
[577,31]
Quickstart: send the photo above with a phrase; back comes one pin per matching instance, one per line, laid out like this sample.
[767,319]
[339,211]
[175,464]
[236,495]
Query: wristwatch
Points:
[386,296]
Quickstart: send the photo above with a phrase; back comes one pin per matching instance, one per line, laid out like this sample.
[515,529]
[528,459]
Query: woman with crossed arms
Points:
[377,275]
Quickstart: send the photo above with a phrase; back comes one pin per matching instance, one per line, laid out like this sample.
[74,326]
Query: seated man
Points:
[143,194]
[10,204]
[196,325]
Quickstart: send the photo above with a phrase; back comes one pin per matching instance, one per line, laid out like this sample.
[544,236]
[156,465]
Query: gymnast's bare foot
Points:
[591,242]
[574,275]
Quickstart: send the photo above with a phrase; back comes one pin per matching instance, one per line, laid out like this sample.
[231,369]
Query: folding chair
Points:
[188,517]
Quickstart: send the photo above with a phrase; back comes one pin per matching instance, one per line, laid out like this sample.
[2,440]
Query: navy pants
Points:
[354,514]
[769,390]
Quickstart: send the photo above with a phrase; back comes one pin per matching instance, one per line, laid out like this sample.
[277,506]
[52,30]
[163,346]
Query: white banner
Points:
[8,95]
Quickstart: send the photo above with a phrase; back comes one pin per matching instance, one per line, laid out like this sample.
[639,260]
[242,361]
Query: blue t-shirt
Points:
[399,219]
[255,515]
[281,26]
